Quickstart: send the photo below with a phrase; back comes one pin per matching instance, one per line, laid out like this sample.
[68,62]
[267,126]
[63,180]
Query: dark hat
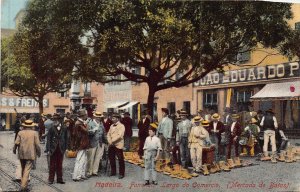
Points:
[227,109]
[127,113]
[56,116]
[144,112]
[116,115]
[49,116]
[82,112]
[28,123]
[183,113]
[165,110]
[177,119]
[269,111]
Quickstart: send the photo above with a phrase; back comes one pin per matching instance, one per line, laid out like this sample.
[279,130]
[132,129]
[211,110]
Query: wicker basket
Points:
[71,154]
[208,155]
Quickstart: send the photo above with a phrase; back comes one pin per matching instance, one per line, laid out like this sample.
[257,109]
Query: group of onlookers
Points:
[178,138]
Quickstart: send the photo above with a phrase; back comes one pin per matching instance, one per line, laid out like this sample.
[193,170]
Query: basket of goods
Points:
[71,154]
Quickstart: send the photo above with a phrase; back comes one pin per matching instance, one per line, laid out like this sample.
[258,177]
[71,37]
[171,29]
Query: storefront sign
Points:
[21,102]
[285,70]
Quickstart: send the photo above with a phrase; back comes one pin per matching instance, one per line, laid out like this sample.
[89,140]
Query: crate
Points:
[208,155]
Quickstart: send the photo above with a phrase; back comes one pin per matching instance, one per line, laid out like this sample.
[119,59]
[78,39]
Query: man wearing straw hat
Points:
[234,134]
[216,127]
[28,145]
[151,148]
[98,140]
[196,141]
[183,132]
[115,138]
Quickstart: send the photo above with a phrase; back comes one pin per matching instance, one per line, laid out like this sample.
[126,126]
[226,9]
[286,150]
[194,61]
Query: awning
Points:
[279,91]
[117,104]
[130,104]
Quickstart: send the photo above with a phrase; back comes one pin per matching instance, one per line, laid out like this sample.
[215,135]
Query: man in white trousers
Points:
[97,136]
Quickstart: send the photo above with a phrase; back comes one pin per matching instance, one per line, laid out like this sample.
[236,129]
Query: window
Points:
[210,98]
[87,89]
[242,99]
[297,26]
[243,96]
[179,74]
[118,77]
[171,107]
[187,106]
[243,56]
[60,111]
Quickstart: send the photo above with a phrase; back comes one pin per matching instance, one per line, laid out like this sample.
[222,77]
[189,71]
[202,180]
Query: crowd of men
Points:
[178,138]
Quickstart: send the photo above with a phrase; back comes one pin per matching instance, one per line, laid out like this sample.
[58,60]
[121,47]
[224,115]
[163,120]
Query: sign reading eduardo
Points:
[279,71]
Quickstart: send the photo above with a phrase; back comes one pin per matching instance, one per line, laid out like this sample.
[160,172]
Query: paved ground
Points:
[262,177]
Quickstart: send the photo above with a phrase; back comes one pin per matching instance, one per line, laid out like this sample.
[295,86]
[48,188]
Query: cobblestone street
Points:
[261,177]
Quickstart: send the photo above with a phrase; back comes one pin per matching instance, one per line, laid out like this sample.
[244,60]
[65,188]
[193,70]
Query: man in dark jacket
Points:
[215,129]
[106,121]
[127,122]
[235,131]
[56,147]
[269,125]
[143,126]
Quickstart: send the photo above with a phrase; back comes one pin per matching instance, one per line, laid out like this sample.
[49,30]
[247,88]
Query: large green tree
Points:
[166,38]
[40,56]
[291,47]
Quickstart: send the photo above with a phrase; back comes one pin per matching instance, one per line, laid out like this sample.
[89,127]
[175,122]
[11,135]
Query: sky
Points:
[9,10]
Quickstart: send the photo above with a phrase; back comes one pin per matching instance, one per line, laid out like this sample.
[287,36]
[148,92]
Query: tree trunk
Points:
[41,107]
[150,101]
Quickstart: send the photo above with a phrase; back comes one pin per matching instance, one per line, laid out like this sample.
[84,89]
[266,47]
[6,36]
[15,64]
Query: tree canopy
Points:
[175,43]
[39,58]
[167,38]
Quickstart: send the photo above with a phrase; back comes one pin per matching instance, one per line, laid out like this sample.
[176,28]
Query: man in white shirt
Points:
[151,148]
[196,141]
[269,125]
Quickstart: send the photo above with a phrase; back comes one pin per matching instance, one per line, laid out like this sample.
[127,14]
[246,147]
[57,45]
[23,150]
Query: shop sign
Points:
[279,71]
[21,102]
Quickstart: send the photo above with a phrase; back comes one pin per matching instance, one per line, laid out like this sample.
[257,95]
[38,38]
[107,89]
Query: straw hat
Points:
[153,126]
[197,119]
[235,116]
[28,123]
[205,123]
[97,114]
[253,120]
[215,116]
[183,113]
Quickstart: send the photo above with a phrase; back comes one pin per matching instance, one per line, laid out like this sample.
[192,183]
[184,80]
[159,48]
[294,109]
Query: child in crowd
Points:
[151,148]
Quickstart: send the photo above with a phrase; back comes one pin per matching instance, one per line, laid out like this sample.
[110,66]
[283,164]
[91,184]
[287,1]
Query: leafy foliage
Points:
[41,54]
